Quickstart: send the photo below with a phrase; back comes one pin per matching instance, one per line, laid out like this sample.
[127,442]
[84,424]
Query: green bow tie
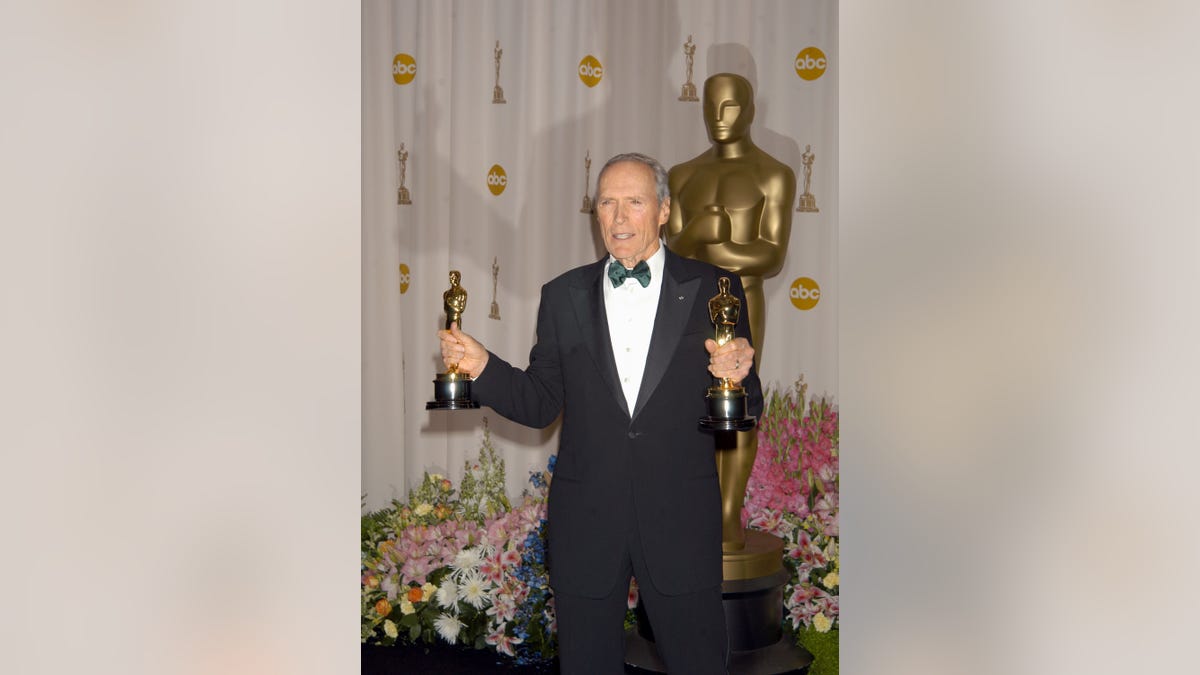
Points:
[618,274]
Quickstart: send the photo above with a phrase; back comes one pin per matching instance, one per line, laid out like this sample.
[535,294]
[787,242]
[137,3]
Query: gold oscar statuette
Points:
[726,401]
[402,196]
[452,389]
[497,92]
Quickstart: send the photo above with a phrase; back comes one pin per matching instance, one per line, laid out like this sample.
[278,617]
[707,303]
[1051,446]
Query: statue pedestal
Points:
[752,595]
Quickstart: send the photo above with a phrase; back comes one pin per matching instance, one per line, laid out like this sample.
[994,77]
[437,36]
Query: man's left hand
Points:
[731,360]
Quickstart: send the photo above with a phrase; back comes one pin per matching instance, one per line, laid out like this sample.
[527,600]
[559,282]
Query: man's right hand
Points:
[462,349]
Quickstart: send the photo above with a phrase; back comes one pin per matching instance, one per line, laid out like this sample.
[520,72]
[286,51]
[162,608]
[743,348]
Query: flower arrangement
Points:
[468,567]
[468,571]
[793,494]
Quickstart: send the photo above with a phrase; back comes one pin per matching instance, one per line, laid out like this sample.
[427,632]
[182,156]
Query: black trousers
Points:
[689,629]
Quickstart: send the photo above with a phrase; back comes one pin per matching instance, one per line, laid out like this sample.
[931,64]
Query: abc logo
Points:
[805,293]
[404,68]
[405,278]
[811,63]
[590,71]
[497,180]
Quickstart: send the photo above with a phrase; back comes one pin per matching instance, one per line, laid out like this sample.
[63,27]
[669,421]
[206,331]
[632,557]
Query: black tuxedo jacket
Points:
[652,465]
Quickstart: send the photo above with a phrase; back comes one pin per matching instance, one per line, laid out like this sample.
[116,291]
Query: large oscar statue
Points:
[731,205]
[452,389]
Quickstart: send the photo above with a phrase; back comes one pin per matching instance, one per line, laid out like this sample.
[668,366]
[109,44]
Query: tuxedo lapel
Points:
[587,299]
[676,301]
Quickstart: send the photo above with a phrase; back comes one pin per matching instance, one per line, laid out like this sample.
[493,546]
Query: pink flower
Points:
[491,569]
[632,600]
[504,607]
[413,571]
[502,642]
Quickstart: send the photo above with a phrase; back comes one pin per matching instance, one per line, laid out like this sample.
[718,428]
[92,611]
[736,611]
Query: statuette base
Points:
[726,410]
[452,391]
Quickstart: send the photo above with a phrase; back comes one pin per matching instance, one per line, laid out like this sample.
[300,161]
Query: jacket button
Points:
[633,434]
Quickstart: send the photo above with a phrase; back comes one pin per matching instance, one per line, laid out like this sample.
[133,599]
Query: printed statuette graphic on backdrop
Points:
[452,389]
[402,196]
[495,313]
[808,202]
[587,177]
[497,92]
[405,278]
[689,89]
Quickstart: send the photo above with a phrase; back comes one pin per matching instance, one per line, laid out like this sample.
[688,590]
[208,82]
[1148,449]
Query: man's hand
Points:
[462,349]
[731,360]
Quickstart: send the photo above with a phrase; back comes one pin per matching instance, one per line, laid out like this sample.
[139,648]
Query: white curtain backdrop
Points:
[439,106]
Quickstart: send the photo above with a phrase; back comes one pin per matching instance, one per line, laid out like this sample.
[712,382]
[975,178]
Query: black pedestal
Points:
[753,622]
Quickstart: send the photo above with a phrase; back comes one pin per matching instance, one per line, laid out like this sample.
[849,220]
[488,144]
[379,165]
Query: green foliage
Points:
[482,495]
[823,647]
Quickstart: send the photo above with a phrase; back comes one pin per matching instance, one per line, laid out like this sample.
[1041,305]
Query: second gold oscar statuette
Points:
[726,401]
[452,389]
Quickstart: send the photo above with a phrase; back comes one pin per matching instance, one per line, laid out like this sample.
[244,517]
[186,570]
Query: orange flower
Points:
[414,594]
[383,607]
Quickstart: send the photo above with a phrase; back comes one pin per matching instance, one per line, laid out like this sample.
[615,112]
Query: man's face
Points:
[629,212]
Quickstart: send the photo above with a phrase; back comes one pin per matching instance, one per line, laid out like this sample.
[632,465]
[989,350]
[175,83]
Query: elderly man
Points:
[624,351]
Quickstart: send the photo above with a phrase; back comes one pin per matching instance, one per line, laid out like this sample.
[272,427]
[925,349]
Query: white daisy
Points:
[447,595]
[448,626]
[473,588]
[467,559]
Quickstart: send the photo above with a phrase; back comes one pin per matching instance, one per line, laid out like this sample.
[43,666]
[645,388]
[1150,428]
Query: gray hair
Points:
[661,189]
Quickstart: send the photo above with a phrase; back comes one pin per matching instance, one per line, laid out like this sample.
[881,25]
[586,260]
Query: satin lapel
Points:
[675,303]
[587,299]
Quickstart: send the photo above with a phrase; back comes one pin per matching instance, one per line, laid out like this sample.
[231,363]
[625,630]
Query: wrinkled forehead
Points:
[627,175]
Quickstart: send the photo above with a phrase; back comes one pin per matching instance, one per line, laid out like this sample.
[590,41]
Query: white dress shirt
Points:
[631,310]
